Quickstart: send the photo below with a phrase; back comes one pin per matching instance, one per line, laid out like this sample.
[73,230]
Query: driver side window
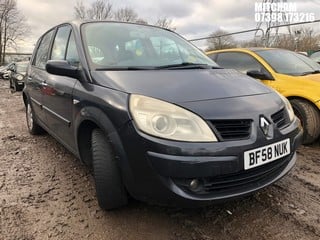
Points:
[240,61]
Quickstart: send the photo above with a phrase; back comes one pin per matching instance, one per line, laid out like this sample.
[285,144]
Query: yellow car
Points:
[293,75]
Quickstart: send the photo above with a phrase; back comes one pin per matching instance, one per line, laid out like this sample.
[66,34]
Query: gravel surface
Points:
[46,193]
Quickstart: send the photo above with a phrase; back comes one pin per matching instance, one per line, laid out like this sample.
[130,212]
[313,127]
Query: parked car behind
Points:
[155,117]
[315,56]
[17,76]
[293,75]
[5,71]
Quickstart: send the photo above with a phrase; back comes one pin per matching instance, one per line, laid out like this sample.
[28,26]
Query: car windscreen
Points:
[288,62]
[112,45]
[21,67]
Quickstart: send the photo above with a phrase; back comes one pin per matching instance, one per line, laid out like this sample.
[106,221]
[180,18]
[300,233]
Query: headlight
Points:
[166,120]
[288,106]
[19,77]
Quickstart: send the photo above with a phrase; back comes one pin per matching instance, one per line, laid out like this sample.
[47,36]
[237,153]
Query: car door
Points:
[37,75]
[58,98]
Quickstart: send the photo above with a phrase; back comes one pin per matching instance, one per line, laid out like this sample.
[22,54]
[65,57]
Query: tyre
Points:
[33,127]
[14,86]
[310,119]
[110,190]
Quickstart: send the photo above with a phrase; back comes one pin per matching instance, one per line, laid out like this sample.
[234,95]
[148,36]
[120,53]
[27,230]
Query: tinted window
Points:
[43,49]
[60,43]
[239,61]
[213,56]
[287,62]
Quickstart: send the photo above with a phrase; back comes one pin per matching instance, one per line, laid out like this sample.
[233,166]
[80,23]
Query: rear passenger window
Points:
[43,50]
[60,43]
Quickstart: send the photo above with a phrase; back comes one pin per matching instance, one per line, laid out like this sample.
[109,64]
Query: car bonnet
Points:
[183,85]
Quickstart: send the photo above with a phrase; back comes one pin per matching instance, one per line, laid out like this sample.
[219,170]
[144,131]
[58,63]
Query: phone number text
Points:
[284,17]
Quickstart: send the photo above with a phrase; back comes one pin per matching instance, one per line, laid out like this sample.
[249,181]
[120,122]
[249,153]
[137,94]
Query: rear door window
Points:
[43,50]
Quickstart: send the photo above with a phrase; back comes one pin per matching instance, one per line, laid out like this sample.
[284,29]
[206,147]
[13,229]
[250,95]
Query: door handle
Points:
[44,84]
[29,78]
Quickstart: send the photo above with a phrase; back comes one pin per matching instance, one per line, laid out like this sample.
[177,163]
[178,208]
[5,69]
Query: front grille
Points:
[244,179]
[232,129]
[281,118]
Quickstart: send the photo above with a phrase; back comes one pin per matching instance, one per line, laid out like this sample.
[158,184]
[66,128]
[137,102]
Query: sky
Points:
[191,18]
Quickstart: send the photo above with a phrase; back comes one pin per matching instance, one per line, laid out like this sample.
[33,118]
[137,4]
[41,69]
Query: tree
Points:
[219,40]
[98,10]
[12,26]
[102,10]
[126,14]
[255,42]
[80,11]
[304,39]
[165,23]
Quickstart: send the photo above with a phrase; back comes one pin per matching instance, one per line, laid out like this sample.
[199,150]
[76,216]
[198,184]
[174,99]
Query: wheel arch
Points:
[304,99]
[96,118]
[309,115]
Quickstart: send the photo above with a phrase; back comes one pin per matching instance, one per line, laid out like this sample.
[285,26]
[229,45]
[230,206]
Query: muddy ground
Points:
[46,193]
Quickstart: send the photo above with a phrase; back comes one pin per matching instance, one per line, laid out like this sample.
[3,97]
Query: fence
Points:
[269,37]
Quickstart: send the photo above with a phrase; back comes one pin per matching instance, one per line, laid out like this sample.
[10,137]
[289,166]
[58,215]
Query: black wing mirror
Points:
[62,68]
[259,75]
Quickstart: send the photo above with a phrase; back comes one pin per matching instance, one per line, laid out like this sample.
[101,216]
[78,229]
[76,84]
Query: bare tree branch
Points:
[217,42]
[100,10]
[126,14]
[80,10]
[12,26]
[165,23]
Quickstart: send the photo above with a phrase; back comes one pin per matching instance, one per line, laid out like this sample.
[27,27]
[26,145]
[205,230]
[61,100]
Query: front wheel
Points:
[310,119]
[110,190]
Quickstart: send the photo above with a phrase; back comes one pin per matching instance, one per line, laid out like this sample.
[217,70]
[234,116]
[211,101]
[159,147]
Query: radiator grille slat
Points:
[232,129]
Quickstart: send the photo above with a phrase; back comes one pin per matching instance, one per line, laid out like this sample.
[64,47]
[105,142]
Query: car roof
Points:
[78,23]
[251,49]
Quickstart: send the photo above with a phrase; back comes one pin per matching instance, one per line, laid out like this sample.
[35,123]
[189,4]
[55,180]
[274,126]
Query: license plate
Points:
[259,156]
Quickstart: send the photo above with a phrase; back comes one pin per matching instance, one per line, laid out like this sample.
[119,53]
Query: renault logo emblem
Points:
[264,125]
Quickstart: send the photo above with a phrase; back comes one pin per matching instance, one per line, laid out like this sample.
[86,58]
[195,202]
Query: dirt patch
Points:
[45,193]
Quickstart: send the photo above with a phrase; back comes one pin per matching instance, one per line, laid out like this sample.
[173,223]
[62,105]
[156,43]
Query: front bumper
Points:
[158,170]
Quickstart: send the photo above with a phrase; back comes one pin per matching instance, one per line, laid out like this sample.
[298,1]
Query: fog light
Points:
[194,184]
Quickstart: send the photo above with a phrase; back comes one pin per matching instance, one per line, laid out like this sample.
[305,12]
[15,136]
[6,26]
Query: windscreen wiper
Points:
[311,72]
[125,68]
[188,65]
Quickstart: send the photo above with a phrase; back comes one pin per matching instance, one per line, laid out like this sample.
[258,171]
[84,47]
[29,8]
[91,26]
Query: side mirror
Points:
[62,68]
[259,75]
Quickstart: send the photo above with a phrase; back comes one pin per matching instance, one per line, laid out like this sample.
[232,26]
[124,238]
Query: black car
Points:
[154,117]
[17,76]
